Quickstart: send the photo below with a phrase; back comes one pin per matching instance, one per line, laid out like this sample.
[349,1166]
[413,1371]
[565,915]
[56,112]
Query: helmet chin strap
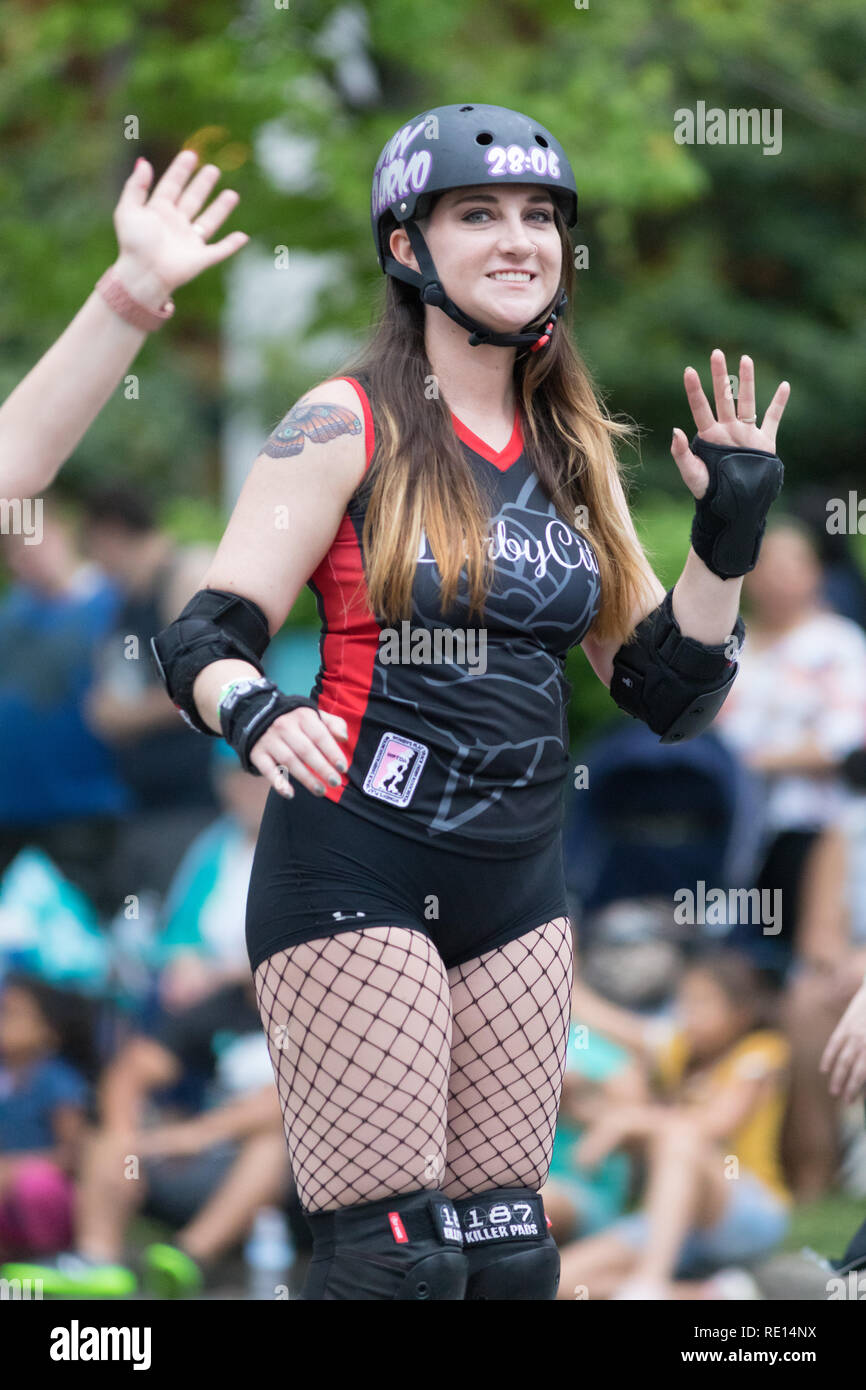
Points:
[432,292]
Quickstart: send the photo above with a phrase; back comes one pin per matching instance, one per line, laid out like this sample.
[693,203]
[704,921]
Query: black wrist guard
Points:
[251,708]
[731,516]
[675,684]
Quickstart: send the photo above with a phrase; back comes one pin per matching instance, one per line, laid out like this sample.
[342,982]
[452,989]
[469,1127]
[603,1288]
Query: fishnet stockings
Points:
[511,1010]
[359,1028]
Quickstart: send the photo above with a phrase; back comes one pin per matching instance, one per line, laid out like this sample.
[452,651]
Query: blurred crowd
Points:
[135,1081]
[715,891]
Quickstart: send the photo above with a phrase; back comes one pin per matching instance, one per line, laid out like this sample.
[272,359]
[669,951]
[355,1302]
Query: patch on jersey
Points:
[393,774]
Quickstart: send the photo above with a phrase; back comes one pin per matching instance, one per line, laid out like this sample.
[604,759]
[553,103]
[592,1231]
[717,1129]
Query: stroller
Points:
[653,819]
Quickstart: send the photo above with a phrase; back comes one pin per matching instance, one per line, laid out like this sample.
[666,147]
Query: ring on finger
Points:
[202,231]
[748,419]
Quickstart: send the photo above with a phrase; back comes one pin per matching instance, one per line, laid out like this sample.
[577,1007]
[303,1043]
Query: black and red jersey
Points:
[472,751]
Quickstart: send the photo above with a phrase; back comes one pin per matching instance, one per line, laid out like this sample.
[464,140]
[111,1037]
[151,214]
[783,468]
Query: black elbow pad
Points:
[214,625]
[675,684]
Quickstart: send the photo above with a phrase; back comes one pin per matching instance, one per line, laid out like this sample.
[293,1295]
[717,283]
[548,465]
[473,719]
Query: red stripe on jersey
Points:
[350,634]
[369,440]
[505,457]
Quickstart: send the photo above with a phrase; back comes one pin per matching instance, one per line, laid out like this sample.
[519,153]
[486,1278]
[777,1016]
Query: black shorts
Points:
[319,869]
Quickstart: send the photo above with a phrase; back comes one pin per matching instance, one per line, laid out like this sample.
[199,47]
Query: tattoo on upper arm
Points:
[318,422]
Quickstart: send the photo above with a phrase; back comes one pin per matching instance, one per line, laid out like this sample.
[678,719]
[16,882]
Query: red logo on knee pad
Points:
[398,1230]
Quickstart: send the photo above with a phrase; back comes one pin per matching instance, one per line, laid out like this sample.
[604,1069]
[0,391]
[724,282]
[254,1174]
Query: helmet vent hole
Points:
[467,108]
[540,140]
[485,138]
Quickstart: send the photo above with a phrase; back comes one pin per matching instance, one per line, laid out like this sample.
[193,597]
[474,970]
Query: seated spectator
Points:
[831,965]
[598,1073]
[162,761]
[43,1104]
[204,1173]
[201,943]
[60,787]
[797,707]
[715,1196]
[843,586]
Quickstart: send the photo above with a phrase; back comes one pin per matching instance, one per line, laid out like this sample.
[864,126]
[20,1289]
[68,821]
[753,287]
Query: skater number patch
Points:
[393,774]
[498,1220]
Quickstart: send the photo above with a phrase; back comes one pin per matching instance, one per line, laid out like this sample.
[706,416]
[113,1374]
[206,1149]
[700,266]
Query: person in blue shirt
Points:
[43,1105]
[60,787]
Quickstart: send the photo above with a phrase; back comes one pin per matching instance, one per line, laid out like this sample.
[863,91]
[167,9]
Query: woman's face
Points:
[474,232]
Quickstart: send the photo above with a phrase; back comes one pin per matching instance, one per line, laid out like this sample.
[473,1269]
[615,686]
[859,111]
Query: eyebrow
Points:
[491,198]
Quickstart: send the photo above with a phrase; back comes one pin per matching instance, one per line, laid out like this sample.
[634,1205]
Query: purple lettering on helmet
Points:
[398,144]
[420,168]
[394,174]
[395,180]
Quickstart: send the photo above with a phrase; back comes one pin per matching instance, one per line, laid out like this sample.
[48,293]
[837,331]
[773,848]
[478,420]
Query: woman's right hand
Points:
[302,744]
[160,244]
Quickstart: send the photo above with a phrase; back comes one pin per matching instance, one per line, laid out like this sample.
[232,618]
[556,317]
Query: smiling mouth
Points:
[511,277]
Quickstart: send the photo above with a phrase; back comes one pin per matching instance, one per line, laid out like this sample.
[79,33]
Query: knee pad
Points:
[404,1247]
[510,1253]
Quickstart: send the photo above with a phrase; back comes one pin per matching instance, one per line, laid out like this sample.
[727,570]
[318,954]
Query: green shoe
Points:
[71,1276]
[170,1272]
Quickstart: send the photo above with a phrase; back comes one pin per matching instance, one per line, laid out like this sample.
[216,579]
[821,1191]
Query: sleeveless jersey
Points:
[469,752]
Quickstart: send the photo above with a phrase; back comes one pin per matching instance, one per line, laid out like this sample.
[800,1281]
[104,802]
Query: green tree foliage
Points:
[690,246]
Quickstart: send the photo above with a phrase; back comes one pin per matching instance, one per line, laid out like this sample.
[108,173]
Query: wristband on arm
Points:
[118,298]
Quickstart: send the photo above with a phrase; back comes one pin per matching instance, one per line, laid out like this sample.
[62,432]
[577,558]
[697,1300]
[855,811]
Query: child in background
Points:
[715,1194]
[42,1113]
[200,945]
[598,1073]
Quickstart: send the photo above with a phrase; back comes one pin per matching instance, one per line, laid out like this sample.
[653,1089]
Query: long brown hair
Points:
[419,477]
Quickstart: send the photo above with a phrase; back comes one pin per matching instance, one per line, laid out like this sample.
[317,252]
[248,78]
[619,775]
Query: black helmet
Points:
[454,147]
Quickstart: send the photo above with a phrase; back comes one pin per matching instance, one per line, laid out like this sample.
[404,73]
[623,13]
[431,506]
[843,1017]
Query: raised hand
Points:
[163,235]
[734,423]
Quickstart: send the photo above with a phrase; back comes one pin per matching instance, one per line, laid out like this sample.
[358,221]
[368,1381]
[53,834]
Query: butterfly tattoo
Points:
[318,422]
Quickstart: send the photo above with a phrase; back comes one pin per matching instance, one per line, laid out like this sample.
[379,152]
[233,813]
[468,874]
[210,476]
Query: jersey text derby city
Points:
[471,755]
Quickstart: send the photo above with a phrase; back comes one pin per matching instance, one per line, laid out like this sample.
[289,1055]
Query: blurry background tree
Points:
[689,246]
